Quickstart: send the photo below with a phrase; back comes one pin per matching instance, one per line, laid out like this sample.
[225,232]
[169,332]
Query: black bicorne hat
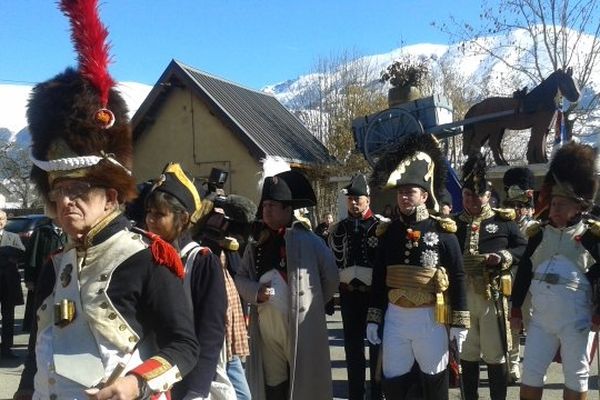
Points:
[416,161]
[291,188]
[474,175]
[358,186]
[519,183]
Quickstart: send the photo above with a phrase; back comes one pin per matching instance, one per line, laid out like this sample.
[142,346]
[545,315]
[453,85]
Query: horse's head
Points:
[566,84]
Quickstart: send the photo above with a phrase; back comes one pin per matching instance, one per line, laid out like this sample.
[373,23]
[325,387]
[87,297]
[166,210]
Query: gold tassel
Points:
[441,310]
[506,285]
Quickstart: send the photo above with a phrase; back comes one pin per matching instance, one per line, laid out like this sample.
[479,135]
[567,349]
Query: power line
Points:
[15,81]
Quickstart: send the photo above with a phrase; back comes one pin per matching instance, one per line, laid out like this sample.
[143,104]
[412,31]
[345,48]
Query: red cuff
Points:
[151,368]
[515,312]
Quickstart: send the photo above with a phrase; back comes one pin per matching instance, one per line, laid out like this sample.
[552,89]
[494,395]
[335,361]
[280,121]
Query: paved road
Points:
[10,370]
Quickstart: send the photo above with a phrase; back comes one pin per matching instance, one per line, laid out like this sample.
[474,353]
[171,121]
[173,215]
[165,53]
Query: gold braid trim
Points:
[507,259]
[375,315]
[461,319]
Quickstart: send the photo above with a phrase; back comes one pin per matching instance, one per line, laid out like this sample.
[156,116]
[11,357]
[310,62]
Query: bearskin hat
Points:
[78,121]
[572,173]
[418,161]
[518,185]
[474,175]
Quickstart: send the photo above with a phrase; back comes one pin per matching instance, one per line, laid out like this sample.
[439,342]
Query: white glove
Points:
[372,335]
[458,334]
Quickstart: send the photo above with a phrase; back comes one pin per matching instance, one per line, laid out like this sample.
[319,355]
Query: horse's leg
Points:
[476,139]
[544,142]
[495,142]
[536,147]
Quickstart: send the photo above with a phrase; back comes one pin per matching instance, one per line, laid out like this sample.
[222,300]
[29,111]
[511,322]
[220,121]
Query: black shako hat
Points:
[290,188]
[518,185]
[415,161]
[176,183]
[358,186]
[474,175]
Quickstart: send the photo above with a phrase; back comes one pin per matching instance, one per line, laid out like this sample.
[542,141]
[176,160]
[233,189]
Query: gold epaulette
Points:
[593,227]
[382,227]
[533,229]
[229,243]
[507,214]
[446,223]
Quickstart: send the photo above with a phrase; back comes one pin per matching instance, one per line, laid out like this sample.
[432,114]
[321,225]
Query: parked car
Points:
[24,225]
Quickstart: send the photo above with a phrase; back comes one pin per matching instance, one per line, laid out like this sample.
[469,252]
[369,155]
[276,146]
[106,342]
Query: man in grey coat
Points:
[287,275]
[11,295]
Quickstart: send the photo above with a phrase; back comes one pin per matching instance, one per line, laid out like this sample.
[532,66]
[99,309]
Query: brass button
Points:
[406,260]
[302,309]
[301,293]
[43,307]
[104,305]
[100,291]
[132,339]
[136,236]
[112,316]
[122,327]
[407,253]
[51,381]
[104,277]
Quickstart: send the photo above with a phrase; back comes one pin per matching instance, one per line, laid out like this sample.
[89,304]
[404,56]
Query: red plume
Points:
[89,37]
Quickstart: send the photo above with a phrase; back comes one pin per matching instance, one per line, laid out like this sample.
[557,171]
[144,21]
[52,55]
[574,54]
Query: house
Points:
[205,122]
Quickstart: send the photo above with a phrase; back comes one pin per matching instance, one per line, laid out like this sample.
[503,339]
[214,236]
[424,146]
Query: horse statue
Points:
[534,110]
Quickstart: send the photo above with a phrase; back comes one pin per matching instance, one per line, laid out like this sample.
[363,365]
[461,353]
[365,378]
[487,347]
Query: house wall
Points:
[185,131]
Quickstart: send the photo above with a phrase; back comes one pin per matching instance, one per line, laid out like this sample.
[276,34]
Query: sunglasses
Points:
[73,190]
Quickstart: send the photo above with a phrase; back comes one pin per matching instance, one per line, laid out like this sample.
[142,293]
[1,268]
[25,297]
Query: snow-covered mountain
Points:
[481,73]
[13,107]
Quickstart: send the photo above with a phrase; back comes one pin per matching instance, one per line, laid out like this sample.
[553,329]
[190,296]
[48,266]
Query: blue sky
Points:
[250,42]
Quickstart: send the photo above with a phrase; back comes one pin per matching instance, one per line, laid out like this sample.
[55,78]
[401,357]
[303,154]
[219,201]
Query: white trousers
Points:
[411,334]
[561,317]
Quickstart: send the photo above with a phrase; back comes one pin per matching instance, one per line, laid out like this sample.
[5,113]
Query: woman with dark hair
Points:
[172,207]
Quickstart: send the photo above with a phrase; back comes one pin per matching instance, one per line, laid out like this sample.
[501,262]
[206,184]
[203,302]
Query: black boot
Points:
[435,387]
[397,387]
[497,374]
[470,379]
[279,392]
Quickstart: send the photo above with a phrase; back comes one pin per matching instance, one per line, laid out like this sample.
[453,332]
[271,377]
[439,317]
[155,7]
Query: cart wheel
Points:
[387,129]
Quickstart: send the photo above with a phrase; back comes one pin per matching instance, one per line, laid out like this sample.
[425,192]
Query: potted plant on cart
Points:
[406,76]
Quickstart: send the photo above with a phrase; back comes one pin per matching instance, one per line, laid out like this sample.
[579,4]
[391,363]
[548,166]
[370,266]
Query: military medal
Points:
[65,275]
[491,228]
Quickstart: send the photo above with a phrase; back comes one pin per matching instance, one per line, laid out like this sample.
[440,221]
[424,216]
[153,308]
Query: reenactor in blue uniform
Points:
[491,242]
[353,241]
[418,272]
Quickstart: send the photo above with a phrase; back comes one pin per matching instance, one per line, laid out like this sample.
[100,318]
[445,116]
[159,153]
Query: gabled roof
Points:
[263,124]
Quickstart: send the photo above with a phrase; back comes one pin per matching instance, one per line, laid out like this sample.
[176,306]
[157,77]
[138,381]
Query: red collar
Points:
[368,214]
